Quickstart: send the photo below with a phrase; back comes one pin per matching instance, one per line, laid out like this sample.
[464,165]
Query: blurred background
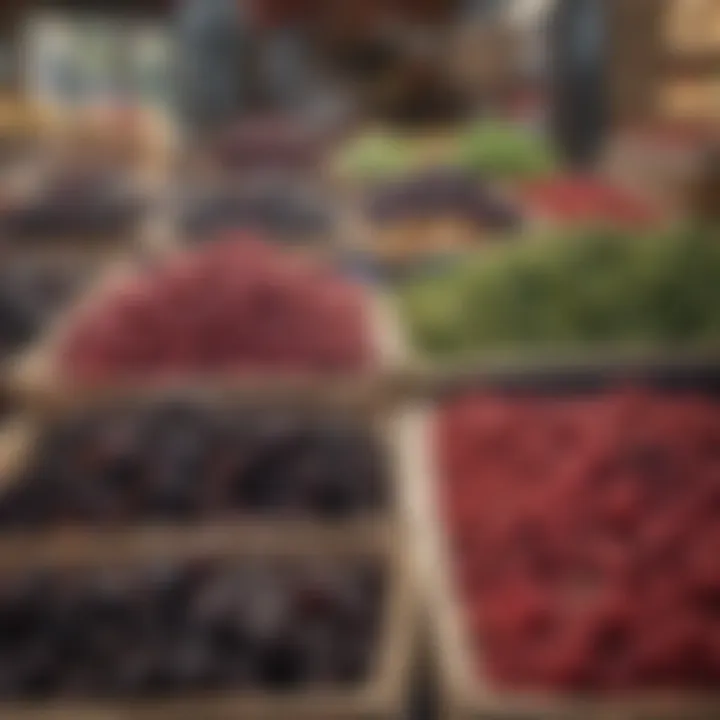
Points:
[359,359]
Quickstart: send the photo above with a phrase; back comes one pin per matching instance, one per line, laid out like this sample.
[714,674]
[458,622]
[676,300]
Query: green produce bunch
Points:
[588,288]
[375,156]
[504,151]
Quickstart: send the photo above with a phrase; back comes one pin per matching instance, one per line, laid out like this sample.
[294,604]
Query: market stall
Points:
[304,408]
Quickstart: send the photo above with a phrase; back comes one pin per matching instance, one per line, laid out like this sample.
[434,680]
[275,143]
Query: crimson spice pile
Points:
[585,534]
[587,200]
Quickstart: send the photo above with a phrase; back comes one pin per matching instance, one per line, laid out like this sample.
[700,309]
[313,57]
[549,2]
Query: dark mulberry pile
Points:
[586,535]
[176,629]
[179,462]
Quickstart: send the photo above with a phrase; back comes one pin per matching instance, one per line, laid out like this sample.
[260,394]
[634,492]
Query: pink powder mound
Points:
[235,305]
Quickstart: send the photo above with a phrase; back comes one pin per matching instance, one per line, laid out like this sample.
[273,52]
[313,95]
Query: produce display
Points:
[506,152]
[268,143]
[585,532]
[441,192]
[230,306]
[289,212]
[75,203]
[376,156]
[586,200]
[174,628]
[30,296]
[436,212]
[579,289]
[178,461]
[171,409]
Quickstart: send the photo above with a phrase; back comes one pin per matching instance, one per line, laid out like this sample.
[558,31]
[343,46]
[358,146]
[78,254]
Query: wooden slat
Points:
[69,547]
[636,45]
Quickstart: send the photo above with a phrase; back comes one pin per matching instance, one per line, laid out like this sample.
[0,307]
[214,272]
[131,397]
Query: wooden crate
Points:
[635,57]
[34,375]
[463,693]
[381,696]
[372,414]
[379,533]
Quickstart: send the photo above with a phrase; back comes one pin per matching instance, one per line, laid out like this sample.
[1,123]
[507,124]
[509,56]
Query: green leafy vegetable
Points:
[505,151]
[586,288]
[375,156]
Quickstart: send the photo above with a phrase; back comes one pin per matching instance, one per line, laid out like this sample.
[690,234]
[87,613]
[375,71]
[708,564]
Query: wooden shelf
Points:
[692,27]
[694,64]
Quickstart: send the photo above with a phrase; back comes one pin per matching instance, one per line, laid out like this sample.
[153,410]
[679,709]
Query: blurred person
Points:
[292,77]
[577,46]
[214,42]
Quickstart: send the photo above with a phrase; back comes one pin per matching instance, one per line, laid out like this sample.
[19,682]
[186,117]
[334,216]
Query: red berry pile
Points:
[587,200]
[586,534]
[231,306]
